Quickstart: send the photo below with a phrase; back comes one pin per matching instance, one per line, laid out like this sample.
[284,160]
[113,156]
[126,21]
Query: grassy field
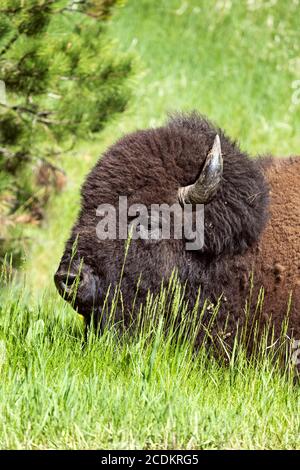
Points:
[148,390]
[239,63]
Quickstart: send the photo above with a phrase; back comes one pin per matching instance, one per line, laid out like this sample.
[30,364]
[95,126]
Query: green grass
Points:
[144,390]
[237,62]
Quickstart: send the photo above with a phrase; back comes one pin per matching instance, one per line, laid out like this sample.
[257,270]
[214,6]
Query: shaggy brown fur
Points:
[246,229]
[276,262]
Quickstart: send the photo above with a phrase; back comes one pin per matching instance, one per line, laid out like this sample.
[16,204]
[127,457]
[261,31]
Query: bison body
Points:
[251,228]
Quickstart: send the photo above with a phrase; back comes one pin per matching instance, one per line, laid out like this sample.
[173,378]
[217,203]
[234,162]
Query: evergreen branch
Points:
[12,11]
[10,155]
[26,119]
[9,44]
[38,114]
[24,109]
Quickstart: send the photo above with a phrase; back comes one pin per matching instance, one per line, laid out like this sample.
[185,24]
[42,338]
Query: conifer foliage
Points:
[60,78]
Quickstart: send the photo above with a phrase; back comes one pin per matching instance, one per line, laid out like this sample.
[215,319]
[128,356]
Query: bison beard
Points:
[251,227]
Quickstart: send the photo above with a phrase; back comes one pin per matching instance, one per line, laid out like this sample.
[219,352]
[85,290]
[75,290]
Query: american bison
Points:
[251,225]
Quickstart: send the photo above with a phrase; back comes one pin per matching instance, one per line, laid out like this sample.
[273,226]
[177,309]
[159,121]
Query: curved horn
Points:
[209,180]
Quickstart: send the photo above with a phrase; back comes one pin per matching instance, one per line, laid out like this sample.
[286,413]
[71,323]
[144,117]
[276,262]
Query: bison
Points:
[251,225]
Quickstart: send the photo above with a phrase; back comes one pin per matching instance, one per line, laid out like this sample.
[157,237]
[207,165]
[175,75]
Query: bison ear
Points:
[207,184]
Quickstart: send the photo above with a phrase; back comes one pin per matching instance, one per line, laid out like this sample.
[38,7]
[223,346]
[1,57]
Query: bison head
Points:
[188,161]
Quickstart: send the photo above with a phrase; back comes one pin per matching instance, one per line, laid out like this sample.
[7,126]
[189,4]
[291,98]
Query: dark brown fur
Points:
[246,228]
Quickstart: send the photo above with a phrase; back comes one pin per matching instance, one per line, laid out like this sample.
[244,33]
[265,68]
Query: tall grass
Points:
[149,387]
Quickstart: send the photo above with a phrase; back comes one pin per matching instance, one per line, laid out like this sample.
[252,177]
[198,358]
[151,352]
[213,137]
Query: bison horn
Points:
[209,180]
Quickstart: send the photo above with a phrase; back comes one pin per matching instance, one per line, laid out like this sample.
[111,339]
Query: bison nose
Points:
[66,282]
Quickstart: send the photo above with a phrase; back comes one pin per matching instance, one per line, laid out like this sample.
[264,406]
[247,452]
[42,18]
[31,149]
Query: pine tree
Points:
[63,79]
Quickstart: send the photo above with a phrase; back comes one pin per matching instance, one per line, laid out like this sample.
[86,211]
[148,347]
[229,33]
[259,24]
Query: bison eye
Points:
[146,228]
